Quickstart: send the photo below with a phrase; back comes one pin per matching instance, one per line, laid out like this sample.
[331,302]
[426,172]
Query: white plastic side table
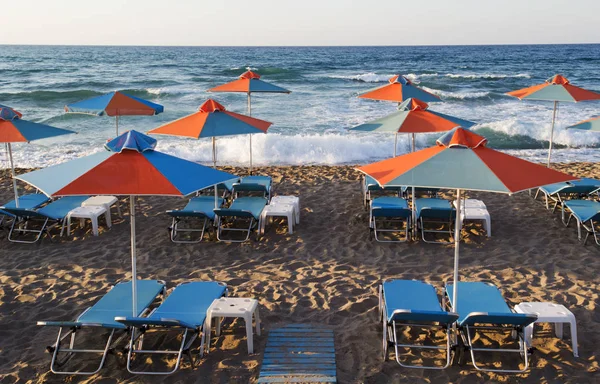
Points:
[473,209]
[234,307]
[106,202]
[550,313]
[293,200]
[92,213]
[278,210]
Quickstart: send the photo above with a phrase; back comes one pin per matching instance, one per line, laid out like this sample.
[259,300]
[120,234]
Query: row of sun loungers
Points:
[415,304]
[37,215]
[242,216]
[389,214]
[182,311]
[576,199]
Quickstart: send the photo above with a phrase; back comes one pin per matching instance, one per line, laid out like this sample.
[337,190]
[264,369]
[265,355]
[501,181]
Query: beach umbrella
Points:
[555,89]
[461,160]
[413,116]
[249,82]
[212,120]
[592,125]
[13,129]
[399,89]
[115,104]
[130,166]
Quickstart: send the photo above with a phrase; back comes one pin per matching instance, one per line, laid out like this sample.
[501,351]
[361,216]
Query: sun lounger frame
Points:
[468,326]
[236,216]
[168,325]
[71,351]
[590,228]
[437,216]
[392,216]
[390,334]
[179,217]
[23,218]
[374,187]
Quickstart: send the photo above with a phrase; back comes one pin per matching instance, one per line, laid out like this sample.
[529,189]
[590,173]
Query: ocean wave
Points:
[45,96]
[487,76]
[460,95]
[369,77]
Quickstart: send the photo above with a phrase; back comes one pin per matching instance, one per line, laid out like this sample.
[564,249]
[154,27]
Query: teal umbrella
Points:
[592,125]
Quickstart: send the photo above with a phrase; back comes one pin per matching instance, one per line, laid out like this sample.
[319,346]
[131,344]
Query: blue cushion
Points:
[584,210]
[189,302]
[434,208]
[390,206]
[253,205]
[418,297]
[118,302]
[58,209]
[198,207]
[29,201]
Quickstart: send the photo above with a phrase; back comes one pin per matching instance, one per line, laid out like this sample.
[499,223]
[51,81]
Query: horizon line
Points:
[290,46]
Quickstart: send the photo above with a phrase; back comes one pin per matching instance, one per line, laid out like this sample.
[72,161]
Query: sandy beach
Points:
[326,273]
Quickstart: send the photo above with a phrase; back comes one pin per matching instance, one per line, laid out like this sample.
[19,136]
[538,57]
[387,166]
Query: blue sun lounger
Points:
[560,192]
[116,302]
[184,310]
[437,212]
[29,201]
[587,214]
[200,208]
[391,213]
[414,304]
[53,214]
[482,308]
[243,211]
[369,185]
[253,184]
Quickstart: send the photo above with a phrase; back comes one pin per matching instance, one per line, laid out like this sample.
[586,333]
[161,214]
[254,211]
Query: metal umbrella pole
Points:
[214,148]
[117,124]
[250,114]
[457,229]
[133,255]
[552,132]
[14,180]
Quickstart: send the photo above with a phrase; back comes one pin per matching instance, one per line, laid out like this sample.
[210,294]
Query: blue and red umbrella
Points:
[212,120]
[130,166]
[13,129]
[115,104]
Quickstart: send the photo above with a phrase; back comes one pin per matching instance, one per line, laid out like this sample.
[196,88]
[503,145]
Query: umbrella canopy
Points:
[249,82]
[413,116]
[130,166]
[555,89]
[461,160]
[15,130]
[592,124]
[398,90]
[115,104]
[7,113]
[212,120]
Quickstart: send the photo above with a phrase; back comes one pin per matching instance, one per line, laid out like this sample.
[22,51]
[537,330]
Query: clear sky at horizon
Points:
[307,22]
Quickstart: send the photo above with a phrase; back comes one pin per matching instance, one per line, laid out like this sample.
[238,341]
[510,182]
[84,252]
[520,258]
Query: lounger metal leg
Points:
[175,229]
[423,231]
[447,348]
[221,229]
[406,231]
[39,232]
[71,351]
[522,350]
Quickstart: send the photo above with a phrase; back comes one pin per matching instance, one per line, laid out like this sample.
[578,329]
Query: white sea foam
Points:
[462,95]
[486,75]
[369,77]
[154,91]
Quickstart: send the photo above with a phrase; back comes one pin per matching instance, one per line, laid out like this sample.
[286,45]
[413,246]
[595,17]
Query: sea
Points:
[310,125]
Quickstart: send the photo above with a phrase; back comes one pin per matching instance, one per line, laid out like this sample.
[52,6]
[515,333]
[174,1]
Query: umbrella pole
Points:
[14,181]
[133,256]
[414,213]
[395,143]
[250,114]
[117,123]
[552,132]
[457,229]
[214,152]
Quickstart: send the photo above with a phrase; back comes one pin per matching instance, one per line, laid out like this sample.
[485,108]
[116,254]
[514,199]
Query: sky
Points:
[304,22]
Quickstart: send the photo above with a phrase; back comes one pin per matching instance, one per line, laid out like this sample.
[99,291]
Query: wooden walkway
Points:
[299,353]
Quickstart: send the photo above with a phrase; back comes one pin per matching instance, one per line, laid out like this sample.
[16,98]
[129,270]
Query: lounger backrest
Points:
[391,212]
[118,302]
[401,315]
[478,297]
[228,212]
[25,213]
[60,208]
[438,213]
[189,302]
[250,187]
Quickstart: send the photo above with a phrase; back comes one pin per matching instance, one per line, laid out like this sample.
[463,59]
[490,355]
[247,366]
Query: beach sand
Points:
[326,273]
